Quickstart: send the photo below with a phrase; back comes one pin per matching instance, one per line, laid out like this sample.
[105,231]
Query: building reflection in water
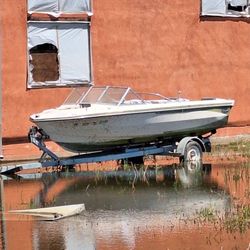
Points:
[124,209]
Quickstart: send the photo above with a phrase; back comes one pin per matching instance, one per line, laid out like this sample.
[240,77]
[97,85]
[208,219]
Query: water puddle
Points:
[164,207]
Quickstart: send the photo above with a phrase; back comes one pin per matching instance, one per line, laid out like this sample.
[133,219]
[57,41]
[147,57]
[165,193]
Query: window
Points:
[226,8]
[55,6]
[59,43]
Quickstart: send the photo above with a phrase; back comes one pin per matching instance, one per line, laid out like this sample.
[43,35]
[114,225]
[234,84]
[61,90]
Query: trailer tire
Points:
[193,152]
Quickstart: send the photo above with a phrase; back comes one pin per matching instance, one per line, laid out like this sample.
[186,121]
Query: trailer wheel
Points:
[193,152]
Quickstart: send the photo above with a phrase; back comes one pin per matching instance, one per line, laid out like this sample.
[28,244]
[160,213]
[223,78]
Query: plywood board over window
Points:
[59,50]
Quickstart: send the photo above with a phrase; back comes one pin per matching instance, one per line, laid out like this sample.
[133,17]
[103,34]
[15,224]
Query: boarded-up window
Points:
[44,58]
[59,49]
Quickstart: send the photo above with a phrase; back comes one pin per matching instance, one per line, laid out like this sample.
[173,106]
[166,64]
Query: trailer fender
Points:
[183,143]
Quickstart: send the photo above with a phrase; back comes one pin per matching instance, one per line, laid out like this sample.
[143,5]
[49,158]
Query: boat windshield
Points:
[109,95]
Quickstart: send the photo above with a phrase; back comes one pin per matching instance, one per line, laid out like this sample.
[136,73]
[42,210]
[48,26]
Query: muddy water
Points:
[170,207]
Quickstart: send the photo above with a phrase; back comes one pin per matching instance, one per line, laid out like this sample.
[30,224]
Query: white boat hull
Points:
[105,132]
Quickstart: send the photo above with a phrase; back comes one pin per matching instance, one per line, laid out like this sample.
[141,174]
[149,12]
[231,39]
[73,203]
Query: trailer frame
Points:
[176,148]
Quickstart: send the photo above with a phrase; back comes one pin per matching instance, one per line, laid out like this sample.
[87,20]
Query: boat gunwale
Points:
[133,112]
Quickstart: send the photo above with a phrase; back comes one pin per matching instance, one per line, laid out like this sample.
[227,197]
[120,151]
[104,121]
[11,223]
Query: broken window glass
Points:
[225,8]
[59,42]
[237,6]
[44,62]
[59,53]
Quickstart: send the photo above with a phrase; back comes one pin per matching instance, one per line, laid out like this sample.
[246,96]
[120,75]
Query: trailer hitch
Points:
[37,137]
[37,133]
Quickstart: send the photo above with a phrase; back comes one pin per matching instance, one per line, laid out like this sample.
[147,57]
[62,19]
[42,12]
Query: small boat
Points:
[102,118]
